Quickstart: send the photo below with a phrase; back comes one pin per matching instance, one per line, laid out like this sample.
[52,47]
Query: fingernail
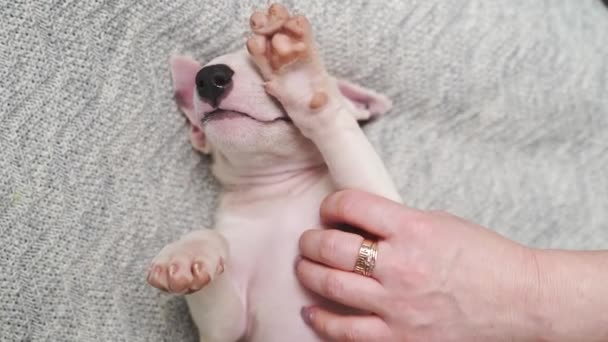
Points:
[306,315]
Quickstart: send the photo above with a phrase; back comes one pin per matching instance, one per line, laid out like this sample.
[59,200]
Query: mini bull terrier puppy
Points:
[283,134]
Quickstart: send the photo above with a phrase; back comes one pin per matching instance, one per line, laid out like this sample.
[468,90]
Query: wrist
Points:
[334,119]
[567,296]
[522,305]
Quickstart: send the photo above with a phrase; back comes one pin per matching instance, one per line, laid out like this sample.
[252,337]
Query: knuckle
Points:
[320,325]
[422,225]
[352,334]
[341,202]
[333,286]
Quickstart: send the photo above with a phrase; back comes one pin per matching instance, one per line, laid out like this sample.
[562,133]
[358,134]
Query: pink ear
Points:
[197,138]
[183,72]
[370,103]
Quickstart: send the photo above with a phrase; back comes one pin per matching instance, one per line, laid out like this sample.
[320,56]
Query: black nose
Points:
[213,81]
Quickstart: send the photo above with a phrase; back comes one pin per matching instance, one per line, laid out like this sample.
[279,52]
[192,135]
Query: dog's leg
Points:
[194,265]
[283,49]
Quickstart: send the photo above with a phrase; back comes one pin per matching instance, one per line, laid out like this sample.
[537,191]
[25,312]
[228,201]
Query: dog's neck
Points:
[263,177]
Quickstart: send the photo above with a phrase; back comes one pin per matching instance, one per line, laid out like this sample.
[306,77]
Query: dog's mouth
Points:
[227,114]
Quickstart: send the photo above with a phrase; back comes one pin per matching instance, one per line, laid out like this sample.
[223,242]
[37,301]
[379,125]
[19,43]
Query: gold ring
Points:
[366,260]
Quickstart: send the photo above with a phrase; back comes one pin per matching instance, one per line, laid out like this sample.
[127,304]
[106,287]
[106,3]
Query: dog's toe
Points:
[298,26]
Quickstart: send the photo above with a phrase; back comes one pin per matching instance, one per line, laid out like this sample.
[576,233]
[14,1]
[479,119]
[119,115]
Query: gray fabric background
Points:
[501,116]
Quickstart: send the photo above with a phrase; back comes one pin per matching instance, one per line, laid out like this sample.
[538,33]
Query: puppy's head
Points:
[233,118]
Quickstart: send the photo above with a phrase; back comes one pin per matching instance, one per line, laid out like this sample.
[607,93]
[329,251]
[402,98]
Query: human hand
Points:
[437,276]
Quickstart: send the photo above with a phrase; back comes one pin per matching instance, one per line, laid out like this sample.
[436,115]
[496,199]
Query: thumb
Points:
[374,214]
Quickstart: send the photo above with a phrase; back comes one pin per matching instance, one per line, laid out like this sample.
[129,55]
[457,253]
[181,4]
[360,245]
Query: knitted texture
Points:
[501,116]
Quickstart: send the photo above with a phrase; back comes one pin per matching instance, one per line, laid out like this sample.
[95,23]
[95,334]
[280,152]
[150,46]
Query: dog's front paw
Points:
[187,265]
[282,47]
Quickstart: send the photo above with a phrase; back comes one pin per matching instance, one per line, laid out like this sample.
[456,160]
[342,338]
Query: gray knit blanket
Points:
[501,116]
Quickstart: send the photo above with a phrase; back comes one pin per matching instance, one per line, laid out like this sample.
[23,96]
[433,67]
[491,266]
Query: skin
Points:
[441,278]
[239,277]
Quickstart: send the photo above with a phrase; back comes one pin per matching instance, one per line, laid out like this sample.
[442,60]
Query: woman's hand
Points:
[437,278]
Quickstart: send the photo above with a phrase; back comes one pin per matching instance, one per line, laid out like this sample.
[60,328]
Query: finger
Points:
[372,213]
[331,247]
[334,327]
[346,288]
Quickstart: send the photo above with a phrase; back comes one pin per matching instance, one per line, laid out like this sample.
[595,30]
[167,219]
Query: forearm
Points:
[351,158]
[354,164]
[573,302]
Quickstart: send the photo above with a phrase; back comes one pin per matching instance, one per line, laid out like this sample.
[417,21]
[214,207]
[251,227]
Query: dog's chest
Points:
[264,247]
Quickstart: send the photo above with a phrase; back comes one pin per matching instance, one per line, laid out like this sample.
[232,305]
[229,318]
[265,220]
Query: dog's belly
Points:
[274,296]
[264,248]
